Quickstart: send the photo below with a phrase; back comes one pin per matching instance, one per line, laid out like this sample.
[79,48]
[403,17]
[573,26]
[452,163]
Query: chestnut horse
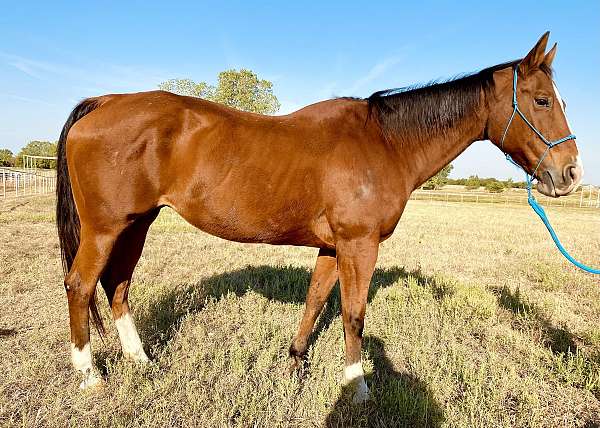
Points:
[335,175]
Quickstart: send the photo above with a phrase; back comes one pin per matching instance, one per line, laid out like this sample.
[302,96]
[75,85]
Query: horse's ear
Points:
[550,57]
[535,57]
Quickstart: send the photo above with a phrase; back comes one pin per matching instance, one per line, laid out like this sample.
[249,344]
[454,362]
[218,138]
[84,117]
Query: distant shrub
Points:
[494,187]
[472,183]
[475,182]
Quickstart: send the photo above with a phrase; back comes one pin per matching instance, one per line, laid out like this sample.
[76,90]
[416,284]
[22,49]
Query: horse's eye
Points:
[542,102]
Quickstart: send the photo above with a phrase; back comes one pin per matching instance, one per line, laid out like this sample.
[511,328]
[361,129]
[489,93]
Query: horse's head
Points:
[558,169]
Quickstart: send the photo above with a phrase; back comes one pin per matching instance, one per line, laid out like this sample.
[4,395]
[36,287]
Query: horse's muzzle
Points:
[554,182]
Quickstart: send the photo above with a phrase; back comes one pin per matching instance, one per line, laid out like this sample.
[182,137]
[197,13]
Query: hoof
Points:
[296,366]
[138,357]
[91,380]
[362,394]
[291,368]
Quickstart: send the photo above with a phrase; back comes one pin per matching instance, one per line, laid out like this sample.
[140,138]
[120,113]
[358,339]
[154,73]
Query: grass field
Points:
[474,320]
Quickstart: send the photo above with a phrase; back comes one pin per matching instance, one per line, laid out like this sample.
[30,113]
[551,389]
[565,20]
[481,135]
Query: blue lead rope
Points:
[533,203]
[540,212]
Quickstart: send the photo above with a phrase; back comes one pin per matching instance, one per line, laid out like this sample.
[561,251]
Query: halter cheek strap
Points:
[529,177]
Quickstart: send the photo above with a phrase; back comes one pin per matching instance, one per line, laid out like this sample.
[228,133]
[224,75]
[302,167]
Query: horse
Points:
[335,175]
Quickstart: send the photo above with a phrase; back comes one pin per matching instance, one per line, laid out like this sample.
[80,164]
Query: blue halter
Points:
[530,198]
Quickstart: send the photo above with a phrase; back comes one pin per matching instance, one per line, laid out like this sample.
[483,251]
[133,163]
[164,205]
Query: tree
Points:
[6,158]
[189,88]
[473,182]
[240,89]
[440,179]
[39,148]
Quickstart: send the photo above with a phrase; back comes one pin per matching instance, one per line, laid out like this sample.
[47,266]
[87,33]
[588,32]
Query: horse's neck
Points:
[426,158]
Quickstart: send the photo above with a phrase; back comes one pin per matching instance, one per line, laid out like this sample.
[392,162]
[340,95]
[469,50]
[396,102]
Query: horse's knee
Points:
[77,291]
[72,282]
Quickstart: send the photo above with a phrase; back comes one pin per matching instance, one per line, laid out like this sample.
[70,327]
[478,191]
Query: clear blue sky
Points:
[53,54]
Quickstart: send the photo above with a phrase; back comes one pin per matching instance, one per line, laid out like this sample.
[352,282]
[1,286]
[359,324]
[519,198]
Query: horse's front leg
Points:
[321,283]
[356,261]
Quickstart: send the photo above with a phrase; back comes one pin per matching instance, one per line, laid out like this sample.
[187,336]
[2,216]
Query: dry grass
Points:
[474,320]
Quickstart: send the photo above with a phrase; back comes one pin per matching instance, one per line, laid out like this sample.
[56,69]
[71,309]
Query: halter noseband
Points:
[530,198]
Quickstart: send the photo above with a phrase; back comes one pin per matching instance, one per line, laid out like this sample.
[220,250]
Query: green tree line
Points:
[33,148]
[491,184]
[473,182]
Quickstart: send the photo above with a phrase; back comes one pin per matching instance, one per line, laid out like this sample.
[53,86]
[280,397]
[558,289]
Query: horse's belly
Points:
[254,226]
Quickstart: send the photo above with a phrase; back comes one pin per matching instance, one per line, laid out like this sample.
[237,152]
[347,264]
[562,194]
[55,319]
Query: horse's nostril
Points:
[572,173]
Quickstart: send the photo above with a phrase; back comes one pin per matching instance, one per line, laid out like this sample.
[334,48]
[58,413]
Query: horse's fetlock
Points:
[298,352]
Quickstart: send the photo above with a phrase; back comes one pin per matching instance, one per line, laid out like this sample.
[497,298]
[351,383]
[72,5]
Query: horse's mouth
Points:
[546,185]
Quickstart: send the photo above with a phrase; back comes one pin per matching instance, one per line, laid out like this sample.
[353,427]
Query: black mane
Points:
[420,112]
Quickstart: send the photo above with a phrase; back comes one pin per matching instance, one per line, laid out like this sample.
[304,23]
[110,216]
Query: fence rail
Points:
[15,183]
[576,201]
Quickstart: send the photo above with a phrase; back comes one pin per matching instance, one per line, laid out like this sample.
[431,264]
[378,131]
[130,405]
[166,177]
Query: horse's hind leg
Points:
[321,283]
[80,284]
[116,280]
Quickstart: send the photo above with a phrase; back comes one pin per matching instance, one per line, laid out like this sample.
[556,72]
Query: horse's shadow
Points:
[558,339]
[399,399]
[160,320]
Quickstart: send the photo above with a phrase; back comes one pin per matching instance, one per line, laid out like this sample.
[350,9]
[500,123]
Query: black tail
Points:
[67,219]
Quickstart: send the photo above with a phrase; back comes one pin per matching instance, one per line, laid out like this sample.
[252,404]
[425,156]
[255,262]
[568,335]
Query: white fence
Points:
[588,197]
[15,183]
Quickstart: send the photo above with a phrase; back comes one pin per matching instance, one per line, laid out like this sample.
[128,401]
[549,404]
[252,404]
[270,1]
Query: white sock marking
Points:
[82,358]
[353,371]
[82,362]
[354,374]
[130,340]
